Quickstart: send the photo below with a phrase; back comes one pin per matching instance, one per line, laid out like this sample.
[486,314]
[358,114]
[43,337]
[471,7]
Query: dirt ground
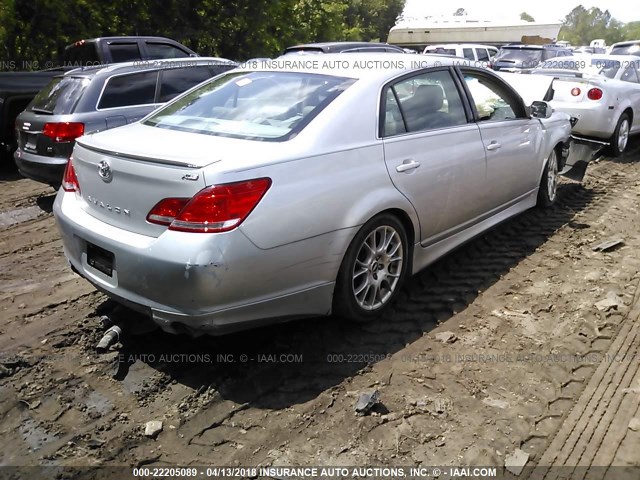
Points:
[484,353]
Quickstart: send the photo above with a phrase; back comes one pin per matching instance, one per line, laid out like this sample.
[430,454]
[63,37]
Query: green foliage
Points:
[38,30]
[631,31]
[582,25]
[526,17]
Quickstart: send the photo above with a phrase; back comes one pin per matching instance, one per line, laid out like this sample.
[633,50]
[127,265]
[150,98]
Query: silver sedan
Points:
[302,187]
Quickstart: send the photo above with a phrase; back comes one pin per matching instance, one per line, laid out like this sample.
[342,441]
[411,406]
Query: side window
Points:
[124,52]
[175,81]
[129,90]
[468,53]
[393,123]
[630,75]
[483,56]
[492,52]
[427,101]
[493,100]
[164,50]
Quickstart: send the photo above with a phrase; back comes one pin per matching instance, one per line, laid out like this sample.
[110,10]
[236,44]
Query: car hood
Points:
[530,87]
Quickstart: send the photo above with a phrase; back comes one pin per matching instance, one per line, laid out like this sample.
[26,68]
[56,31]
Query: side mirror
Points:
[539,109]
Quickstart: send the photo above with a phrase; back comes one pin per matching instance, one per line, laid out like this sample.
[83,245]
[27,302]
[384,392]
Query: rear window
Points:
[524,55]
[256,105]
[81,54]
[626,50]
[60,96]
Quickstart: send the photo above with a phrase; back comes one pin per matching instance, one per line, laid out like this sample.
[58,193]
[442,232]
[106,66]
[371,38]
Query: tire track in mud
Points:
[219,403]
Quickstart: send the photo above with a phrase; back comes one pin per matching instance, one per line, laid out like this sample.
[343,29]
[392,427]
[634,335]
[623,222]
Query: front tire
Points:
[548,190]
[373,270]
[620,137]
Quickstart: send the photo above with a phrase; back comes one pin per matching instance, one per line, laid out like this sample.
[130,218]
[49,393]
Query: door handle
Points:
[493,146]
[407,165]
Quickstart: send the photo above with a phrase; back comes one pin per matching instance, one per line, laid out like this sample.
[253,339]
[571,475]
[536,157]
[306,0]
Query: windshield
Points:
[256,105]
[530,57]
[60,96]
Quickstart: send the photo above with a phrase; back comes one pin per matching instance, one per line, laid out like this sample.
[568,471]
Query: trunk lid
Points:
[121,190]
[564,86]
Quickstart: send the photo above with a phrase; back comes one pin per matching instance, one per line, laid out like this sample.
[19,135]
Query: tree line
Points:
[582,25]
[38,30]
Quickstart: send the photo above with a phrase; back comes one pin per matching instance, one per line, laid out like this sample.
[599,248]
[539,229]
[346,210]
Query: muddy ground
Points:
[484,353]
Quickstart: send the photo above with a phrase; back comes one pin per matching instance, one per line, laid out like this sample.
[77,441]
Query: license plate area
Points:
[30,142]
[100,259]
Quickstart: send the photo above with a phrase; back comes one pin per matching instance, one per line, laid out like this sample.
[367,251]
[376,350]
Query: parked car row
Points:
[273,193]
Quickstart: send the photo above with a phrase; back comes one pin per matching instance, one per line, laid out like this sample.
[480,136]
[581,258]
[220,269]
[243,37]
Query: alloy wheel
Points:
[377,268]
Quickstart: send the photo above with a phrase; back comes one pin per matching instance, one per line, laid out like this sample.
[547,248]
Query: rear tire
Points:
[620,137]
[373,270]
[548,190]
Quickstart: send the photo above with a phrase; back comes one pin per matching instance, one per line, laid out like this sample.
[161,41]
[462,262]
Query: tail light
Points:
[70,180]
[218,208]
[63,131]
[575,91]
[594,94]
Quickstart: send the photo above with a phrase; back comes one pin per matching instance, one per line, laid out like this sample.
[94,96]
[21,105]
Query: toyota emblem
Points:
[104,170]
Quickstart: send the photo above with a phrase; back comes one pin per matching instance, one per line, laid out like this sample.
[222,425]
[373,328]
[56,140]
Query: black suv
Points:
[92,99]
[522,57]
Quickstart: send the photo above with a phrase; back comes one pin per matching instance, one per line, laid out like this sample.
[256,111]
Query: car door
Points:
[434,153]
[511,139]
[632,79]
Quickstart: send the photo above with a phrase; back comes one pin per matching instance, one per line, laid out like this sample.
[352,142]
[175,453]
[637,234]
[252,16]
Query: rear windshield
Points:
[256,105]
[60,96]
[626,50]
[524,55]
[81,54]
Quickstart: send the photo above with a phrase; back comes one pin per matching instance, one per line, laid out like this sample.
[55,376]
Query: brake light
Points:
[218,208]
[165,211]
[70,180]
[63,131]
[594,94]
[575,91]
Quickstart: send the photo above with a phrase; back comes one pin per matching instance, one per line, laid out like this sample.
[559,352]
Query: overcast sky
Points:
[542,10]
